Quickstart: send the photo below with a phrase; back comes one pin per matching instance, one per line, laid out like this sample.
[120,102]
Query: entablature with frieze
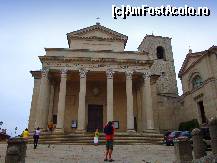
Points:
[51,62]
[95,66]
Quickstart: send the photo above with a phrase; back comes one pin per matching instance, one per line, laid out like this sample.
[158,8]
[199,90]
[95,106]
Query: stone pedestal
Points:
[183,152]
[199,147]
[16,151]
[213,134]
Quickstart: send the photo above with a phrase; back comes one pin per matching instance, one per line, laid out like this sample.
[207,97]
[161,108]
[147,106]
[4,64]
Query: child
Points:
[25,134]
[96,137]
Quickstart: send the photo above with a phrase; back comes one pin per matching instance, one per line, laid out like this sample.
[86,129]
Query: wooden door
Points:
[95,118]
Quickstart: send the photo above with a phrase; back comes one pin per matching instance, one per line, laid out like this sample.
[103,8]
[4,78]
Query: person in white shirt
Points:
[36,137]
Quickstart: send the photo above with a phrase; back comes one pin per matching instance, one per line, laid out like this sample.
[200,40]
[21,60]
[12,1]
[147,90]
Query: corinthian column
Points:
[147,105]
[51,103]
[81,105]
[130,116]
[61,102]
[43,102]
[109,74]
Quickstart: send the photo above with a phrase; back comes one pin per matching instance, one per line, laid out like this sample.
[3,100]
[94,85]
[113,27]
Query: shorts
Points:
[109,144]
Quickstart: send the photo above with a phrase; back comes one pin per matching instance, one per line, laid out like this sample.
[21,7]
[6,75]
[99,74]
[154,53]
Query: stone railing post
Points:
[16,151]
[183,151]
[213,134]
[199,147]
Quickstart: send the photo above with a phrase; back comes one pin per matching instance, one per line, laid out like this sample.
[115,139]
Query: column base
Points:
[154,131]
[131,130]
[80,131]
[59,130]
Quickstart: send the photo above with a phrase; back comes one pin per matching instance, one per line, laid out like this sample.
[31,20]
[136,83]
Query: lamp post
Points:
[1,123]
[15,130]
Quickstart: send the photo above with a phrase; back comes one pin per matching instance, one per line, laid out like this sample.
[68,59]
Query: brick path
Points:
[95,154]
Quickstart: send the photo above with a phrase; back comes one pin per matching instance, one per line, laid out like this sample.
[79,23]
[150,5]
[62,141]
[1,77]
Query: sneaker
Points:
[111,160]
[105,159]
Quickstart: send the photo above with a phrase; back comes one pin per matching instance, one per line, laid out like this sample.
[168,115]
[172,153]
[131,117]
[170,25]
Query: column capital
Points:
[129,74]
[109,73]
[44,72]
[146,74]
[83,72]
[63,73]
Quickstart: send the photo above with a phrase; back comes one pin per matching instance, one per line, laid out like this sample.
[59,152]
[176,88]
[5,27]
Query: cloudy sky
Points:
[27,27]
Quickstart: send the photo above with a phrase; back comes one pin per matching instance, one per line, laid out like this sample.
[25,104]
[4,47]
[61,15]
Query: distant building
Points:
[95,80]
[199,84]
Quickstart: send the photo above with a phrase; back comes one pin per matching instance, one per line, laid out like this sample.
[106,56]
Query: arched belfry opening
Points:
[160,53]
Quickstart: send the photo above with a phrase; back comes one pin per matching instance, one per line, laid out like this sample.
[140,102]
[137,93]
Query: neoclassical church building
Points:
[95,80]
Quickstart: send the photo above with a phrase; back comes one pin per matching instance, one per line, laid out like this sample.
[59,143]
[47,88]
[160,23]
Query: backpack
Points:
[108,130]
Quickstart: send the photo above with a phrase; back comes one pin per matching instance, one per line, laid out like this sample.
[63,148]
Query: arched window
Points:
[160,53]
[196,81]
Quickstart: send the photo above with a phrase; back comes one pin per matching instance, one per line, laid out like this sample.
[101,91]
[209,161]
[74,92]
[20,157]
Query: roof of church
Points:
[197,55]
[100,27]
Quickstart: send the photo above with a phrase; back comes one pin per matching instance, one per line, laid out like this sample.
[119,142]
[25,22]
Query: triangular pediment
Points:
[192,59]
[189,60]
[98,34]
[98,31]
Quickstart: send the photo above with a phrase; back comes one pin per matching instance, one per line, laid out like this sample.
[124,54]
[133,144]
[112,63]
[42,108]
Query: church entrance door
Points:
[95,118]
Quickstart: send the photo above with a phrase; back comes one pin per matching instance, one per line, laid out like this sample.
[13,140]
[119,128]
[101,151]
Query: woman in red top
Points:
[109,135]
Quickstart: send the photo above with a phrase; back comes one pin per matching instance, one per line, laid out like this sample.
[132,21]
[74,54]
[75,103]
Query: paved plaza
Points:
[95,154]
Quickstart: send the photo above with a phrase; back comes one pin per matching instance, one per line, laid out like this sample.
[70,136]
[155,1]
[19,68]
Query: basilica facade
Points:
[95,80]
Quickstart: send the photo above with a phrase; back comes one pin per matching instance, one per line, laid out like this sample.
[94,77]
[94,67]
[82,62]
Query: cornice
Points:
[200,55]
[95,37]
[97,51]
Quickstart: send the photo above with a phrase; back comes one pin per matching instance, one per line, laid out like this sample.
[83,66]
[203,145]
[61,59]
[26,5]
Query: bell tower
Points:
[160,49]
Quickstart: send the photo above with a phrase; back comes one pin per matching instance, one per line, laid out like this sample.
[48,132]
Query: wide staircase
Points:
[87,138]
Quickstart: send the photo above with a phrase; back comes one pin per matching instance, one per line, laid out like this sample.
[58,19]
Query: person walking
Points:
[36,137]
[109,136]
[25,134]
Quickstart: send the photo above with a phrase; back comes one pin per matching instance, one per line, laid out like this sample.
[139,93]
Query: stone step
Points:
[87,138]
[100,142]
[91,139]
[101,135]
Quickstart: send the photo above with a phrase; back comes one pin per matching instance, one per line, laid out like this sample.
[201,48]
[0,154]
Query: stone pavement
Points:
[95,154]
